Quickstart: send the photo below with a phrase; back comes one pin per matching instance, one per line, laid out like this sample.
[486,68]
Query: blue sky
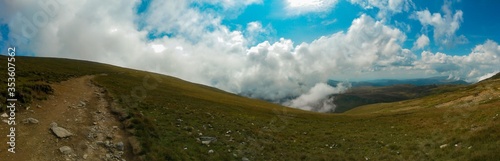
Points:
[477,26]
[266,49]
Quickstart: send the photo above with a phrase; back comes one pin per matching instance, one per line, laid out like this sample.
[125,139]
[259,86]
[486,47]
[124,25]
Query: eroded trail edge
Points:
[75,123]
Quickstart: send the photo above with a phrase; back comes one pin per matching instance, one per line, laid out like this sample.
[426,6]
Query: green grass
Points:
[167,114]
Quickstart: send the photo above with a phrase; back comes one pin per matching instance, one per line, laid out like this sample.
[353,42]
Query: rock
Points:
[6,121]
[4,115]
[108,144]
[101,143]
[120,146]
[207,139]
[245,159]
[65,150]
[30,121]
[109,156]
[210,151]
[443,146]
[53,124]
[60,132]
[85,156]
[82,104]
[118,154]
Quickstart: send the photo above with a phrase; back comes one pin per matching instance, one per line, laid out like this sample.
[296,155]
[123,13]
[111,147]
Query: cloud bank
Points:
[175,38]
[318,98]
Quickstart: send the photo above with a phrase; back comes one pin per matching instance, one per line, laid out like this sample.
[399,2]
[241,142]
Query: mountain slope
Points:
[358,96]
[177,120]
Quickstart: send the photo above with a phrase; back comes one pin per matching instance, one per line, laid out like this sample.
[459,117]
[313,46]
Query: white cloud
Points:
[421,42]
[254,26]
[387,7]
[301,7]
[488,75]
[482,60]
[328,22]
[445,26]
[318,98]
[228,4]
[158,48]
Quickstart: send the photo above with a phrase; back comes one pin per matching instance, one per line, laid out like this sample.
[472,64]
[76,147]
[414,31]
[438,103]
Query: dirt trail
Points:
[77,106]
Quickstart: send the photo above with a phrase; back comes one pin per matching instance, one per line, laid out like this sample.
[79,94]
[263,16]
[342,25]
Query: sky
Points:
[277,50]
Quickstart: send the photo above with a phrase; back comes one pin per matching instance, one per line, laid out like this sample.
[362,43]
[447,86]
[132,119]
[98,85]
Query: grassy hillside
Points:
[364,95]
[172,117]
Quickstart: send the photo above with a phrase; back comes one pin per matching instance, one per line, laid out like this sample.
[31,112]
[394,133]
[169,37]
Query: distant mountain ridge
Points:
[387,90]
[417,82]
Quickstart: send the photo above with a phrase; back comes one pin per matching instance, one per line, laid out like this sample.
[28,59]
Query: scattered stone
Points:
[245,159]
[4,115]
[108,144]
[443,146]
[95,123]
[60,132]
[6,121]
[82,104]
[38,106]
[100,143]
[65,150]
[85,156]
[210,151]
[207,139]
[109,156]
[30,121]
[120,146]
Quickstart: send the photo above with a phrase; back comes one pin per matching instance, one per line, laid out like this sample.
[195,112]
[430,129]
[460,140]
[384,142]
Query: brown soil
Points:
[96,131]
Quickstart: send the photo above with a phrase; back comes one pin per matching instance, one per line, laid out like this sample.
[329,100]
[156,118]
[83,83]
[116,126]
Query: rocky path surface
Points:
[74,124]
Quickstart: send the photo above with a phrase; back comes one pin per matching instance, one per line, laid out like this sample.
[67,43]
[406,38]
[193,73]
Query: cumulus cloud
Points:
[282,70]
[482,60]
[445,25]
[300,7]
[387,7]
[421,42]
[256,32]
[318,98]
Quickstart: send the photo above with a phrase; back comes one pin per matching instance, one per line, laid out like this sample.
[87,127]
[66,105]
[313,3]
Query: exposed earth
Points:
[89,130]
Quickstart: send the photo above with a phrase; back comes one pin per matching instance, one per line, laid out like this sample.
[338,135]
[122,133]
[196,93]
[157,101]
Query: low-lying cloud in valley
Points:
[175,38]
[318,98]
